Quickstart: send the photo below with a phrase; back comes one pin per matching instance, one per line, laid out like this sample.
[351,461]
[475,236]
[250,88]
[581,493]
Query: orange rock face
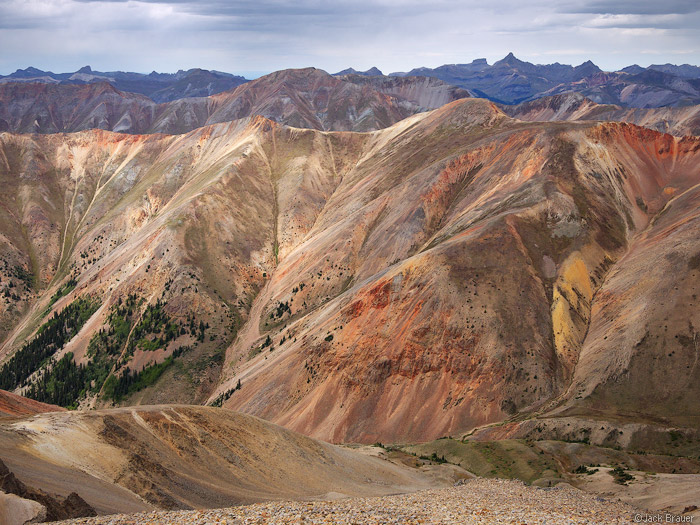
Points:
[451,321]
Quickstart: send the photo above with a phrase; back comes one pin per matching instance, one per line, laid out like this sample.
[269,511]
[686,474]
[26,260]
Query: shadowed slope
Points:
[176,457]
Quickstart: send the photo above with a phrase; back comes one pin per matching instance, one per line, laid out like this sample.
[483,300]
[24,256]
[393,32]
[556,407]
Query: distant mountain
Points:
[680,121]
[311,98]
[511,81]
[305,98]
[160,87]
[684,71]
[507,81]
[193,83]
[634,69]
[647,89]
[371,72]
[52,108]
[426,92]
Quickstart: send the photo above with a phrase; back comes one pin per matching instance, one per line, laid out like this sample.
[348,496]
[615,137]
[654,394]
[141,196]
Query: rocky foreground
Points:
[476,501]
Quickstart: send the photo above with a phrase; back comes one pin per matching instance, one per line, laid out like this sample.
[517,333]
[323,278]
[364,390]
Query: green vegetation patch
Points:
[23,275]
[622,477]
[225,396]
[129,381]
[64,290]
[65,383]
[512,459]
[49,339]
[155,329]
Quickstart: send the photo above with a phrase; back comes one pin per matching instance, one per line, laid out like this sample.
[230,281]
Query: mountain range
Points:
[159,87]
[507,81]
[356,258]
[305,98]
[511,81]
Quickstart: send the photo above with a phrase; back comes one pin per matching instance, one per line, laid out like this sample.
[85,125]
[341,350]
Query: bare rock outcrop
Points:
[21,502]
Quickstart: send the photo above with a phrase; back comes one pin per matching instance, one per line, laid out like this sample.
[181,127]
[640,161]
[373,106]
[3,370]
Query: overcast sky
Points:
[395,35]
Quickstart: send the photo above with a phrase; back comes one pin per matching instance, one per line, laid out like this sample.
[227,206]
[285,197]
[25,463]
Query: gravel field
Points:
[477,501]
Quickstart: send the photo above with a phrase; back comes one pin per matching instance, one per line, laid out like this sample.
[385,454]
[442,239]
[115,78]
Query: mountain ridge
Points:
[513,81]
[347,285]
[187,457]
[508,80]
[574,106]
[159,87]
[306,98]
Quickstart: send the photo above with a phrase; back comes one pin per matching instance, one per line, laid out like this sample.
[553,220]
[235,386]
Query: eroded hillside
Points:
[149,248]
[456,269]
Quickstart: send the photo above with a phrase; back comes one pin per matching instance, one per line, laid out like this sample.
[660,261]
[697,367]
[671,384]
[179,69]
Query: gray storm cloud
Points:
[245,36]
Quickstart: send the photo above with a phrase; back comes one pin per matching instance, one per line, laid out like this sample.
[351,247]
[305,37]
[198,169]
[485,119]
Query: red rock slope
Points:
[13,405]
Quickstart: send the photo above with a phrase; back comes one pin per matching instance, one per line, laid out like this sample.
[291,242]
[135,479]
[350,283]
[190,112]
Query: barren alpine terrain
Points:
[12,405]
[307,98]
[478,501]
[184,457]
[679,121]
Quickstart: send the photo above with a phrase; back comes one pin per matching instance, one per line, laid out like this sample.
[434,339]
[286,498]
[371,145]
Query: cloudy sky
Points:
[250,36]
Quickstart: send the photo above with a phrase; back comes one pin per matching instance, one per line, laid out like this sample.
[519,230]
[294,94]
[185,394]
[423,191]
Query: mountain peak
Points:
[371,72]
[634,69]
[510,60]
[85,69]
[586,69]
[348,71]
[29,72]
